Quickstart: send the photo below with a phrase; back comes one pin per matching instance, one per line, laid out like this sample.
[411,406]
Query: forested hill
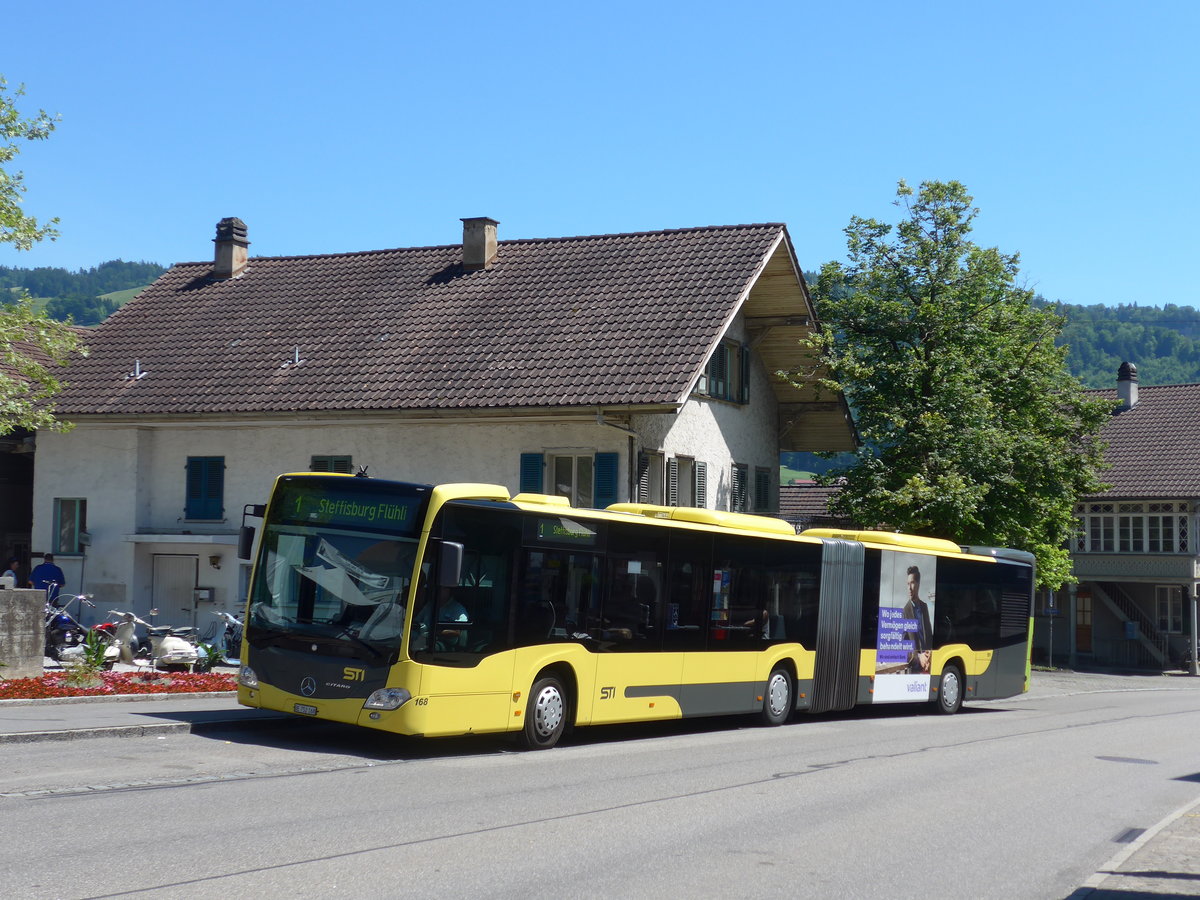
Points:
[1164,342]
[88,295]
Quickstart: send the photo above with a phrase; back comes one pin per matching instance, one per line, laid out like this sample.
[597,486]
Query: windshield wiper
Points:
[366,645]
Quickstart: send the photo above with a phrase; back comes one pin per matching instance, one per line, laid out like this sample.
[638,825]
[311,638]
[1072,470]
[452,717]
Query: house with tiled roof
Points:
[602,368]
[806,505]
[1136,554]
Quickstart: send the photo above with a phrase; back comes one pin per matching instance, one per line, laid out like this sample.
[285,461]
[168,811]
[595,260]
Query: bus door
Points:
[839,627]
[635,679]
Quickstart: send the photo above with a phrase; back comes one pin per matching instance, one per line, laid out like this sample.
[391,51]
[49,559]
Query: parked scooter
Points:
[63,632]
[169,647]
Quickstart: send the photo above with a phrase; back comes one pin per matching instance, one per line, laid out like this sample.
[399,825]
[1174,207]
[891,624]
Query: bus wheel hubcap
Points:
[778,695]
[950,689]
[548,711]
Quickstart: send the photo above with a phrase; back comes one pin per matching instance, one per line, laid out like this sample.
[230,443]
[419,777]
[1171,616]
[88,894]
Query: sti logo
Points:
[607,693]
[354,674]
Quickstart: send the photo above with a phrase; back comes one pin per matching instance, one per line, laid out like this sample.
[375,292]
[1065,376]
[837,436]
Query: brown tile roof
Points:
[807,505]
[624,319]
[1154,447]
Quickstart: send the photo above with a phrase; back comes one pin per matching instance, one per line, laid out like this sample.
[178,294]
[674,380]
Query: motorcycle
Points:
[64,634]
[170,647]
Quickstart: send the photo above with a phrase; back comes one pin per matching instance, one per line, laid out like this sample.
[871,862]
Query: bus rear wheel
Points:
[545,715]
[950,690]
[777,699]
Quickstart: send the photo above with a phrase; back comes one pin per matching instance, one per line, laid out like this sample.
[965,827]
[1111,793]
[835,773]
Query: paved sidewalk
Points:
[68,719]
[1163,862]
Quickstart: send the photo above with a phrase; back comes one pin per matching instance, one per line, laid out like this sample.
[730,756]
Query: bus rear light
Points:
[247,678]
[388,698]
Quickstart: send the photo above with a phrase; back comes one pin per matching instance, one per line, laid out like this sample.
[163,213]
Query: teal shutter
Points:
[701,484]
[718,373]
[606,479]
[673,481]
[532,480]
[762,490]
[744,386]
[205,487]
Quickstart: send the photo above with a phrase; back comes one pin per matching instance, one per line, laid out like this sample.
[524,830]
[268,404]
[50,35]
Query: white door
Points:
[174,588]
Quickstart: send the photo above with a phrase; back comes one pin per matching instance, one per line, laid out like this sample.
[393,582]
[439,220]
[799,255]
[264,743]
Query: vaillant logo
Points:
[308,686]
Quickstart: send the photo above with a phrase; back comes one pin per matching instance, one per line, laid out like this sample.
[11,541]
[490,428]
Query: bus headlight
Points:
[247,678]
[387,698]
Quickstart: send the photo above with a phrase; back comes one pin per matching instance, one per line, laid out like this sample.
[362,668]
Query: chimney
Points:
[230,257]
[1127,386]
[479,243]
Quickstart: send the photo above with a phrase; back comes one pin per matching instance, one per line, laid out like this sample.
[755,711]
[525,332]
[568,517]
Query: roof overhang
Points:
[779,315]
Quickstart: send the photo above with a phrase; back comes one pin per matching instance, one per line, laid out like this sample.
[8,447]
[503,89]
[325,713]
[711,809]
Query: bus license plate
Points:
[304,710]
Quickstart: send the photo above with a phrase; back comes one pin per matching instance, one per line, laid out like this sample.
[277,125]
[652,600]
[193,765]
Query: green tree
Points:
[972,428]
[31,345]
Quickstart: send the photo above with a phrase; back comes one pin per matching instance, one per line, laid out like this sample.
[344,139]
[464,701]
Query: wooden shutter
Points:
[643,477]
[673,481]
[532,479]
[205,487]
[737,493]
[701,475]
[343,465]
[605,476]
[762,490]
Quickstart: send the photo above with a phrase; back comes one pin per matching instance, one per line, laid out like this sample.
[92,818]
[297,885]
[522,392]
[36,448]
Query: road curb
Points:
[75,734]
[119,698]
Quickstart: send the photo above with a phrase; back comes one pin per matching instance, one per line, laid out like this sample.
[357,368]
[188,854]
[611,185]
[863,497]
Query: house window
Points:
[1133,528]
[343,465]
[727,375]
[586,479]
[70,521]
[1169,600]
[686,482]
[651,480]
[573,478]
[739,488]
[205,487]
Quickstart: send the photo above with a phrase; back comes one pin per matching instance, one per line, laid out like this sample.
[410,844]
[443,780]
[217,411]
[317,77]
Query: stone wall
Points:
[22,632]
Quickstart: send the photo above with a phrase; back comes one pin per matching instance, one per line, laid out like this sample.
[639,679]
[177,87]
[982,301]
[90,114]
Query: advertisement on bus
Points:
[905,646]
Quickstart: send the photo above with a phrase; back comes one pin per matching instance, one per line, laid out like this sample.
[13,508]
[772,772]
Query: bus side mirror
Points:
[450,564]
[246,534]
[245,541]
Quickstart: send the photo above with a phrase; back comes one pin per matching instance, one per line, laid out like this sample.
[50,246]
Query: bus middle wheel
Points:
[777,699]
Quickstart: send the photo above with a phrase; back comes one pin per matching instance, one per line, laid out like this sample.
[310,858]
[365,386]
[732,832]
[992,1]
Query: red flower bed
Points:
[61,684]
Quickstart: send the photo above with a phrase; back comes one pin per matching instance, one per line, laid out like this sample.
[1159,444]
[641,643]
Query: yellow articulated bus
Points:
[457,609]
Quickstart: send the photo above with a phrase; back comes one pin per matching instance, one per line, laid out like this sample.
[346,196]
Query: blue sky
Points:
[358,126]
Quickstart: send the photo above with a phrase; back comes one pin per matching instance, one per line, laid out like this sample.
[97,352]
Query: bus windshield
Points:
[336,565]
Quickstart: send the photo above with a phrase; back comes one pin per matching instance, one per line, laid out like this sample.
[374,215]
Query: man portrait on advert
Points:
[905,644]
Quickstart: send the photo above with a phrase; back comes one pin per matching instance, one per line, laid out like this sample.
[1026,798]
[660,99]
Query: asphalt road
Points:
[1022,798]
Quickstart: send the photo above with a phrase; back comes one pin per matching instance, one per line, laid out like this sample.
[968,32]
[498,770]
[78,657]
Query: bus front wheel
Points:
[777,699]
[950,690]
[546,714]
